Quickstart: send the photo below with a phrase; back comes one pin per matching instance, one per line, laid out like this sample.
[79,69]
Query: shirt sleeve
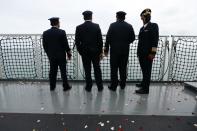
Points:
[45,46]
[100,40]
[155,35]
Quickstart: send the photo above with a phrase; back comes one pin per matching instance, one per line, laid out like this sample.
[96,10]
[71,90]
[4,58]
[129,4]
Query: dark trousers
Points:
[87,60]
[146,67]
[54,63]
[118,62]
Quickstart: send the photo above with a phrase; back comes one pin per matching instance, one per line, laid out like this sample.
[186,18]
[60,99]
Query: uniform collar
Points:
[54,27]
[88,20]
[145,25]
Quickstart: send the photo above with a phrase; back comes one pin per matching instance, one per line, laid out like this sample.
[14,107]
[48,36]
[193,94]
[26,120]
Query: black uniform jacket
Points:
[148,38]
[88,38]
[55,42]
[119,37]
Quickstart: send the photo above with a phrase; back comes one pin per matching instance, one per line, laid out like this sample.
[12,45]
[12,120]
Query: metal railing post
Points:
[170,59]
[38,56]
[164,69]
[1,62]
[2,66]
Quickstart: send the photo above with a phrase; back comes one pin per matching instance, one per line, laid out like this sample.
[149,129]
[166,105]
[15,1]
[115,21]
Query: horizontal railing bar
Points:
[183,36]
[74,34]
[105,81]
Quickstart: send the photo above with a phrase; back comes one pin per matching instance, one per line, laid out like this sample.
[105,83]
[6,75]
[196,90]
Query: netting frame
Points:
[173,72]
[166,70]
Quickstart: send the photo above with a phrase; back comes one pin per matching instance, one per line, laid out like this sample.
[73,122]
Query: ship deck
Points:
[33,106]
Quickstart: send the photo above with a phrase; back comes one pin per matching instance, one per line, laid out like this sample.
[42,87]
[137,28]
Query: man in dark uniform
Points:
[119,37]
[89,44]
[147,47]
[56,45]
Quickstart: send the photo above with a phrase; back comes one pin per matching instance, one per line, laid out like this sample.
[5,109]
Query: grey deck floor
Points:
[35,97]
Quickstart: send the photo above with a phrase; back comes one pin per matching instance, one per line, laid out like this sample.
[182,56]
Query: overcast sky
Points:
[174,17]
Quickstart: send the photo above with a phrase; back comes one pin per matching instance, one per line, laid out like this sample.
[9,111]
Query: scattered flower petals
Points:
[38,121]
[63,123]
[101,124]
[112,128]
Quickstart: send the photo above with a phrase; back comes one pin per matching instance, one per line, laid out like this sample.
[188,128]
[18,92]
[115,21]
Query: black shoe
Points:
[112,88]
[142,91]
[122,86]
[88,89]
[67,88]
[138,85]
[100,89]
